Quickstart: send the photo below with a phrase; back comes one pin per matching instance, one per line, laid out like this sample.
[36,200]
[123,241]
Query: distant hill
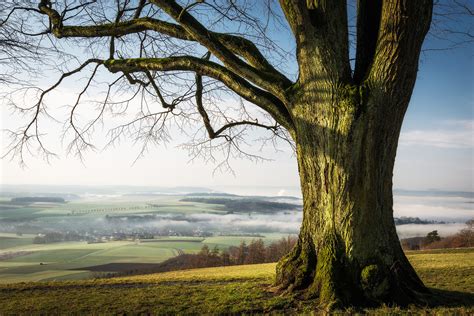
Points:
[464,194]
[16,190]
[414,220]
[259,197]
[211,194]
[245,205]
[35,199]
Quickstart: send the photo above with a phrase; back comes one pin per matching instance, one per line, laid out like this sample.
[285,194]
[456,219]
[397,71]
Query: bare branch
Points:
[21,140]
[235,44]
[267,81]
[207,122]
[207,68]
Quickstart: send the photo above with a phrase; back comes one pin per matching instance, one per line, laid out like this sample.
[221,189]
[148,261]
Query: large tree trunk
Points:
[348,251]
[346,132]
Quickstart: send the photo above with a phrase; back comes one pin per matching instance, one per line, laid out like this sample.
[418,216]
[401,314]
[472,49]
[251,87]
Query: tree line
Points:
[51,237]
[252,253]
[462,239]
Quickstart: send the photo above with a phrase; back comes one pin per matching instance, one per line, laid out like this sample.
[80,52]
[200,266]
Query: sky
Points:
[436,149]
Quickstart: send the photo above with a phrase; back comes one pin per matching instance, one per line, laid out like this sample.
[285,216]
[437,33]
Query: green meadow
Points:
[23,260]
[67,276]
[43,262]
[232,290]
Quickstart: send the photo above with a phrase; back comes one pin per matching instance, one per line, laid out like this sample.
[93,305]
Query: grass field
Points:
[64,260]
[100,207]
[21,260]
[45,262]
[238,289]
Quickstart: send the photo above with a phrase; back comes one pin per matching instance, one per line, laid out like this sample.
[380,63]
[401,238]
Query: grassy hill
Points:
[237,289]
[23,261]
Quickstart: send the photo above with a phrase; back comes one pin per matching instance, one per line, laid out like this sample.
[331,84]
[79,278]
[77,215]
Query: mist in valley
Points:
[440,211]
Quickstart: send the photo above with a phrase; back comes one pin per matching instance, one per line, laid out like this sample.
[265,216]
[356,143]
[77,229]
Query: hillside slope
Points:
[237,289]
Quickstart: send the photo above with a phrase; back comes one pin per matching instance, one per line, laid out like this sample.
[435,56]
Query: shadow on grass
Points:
[446,298]
[436,301]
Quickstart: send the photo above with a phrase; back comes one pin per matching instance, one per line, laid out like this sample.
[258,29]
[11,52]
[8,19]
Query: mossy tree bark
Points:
[345,125]
[348,250]
[346,131]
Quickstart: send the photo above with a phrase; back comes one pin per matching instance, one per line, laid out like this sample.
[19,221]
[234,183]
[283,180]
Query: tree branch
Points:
[235,44]
[403,26]
[243,88]
[207,122]
[321,32]
[21,139]
[268,81]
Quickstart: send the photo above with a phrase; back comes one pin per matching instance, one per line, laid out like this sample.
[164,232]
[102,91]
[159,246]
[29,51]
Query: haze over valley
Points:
[59,232]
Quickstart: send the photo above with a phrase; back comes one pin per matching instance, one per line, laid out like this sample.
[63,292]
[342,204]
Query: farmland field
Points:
[231,290]
[107,230]
[64,260]
[69,239]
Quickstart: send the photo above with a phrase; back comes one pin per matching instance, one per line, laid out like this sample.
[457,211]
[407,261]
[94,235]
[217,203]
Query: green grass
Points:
[53,255]
[55,261]
[12,242]
[100,208]
[50,214]
[17,214]
[139,251]
[227,290]
[439,268]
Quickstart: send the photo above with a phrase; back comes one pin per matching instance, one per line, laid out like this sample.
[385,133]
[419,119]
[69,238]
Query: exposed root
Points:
[325,274]
[296,270]
[406,286]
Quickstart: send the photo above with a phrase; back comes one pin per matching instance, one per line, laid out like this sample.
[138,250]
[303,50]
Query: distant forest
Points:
[245,205]
[252,253]
[414,220]
[25,200]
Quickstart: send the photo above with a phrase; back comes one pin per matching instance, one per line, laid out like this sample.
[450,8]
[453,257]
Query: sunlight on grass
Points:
[235,289]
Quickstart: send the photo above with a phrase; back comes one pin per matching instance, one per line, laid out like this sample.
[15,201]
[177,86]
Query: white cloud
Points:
[452,134]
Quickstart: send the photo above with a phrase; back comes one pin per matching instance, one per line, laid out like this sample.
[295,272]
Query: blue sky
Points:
[436,149]
[444,89]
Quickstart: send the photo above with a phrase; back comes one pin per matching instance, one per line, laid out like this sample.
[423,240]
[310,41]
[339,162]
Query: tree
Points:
[277,249]
[17,50]
[343,118]
[225,257]
[215,252]
[467,234]
[241,253]
[205,252]
[256,252]
[470,224]
[432,236]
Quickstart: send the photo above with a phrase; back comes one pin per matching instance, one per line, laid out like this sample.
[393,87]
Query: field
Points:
[238,289]
[100,219]
[112,226]
[69,260]
[95,207]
